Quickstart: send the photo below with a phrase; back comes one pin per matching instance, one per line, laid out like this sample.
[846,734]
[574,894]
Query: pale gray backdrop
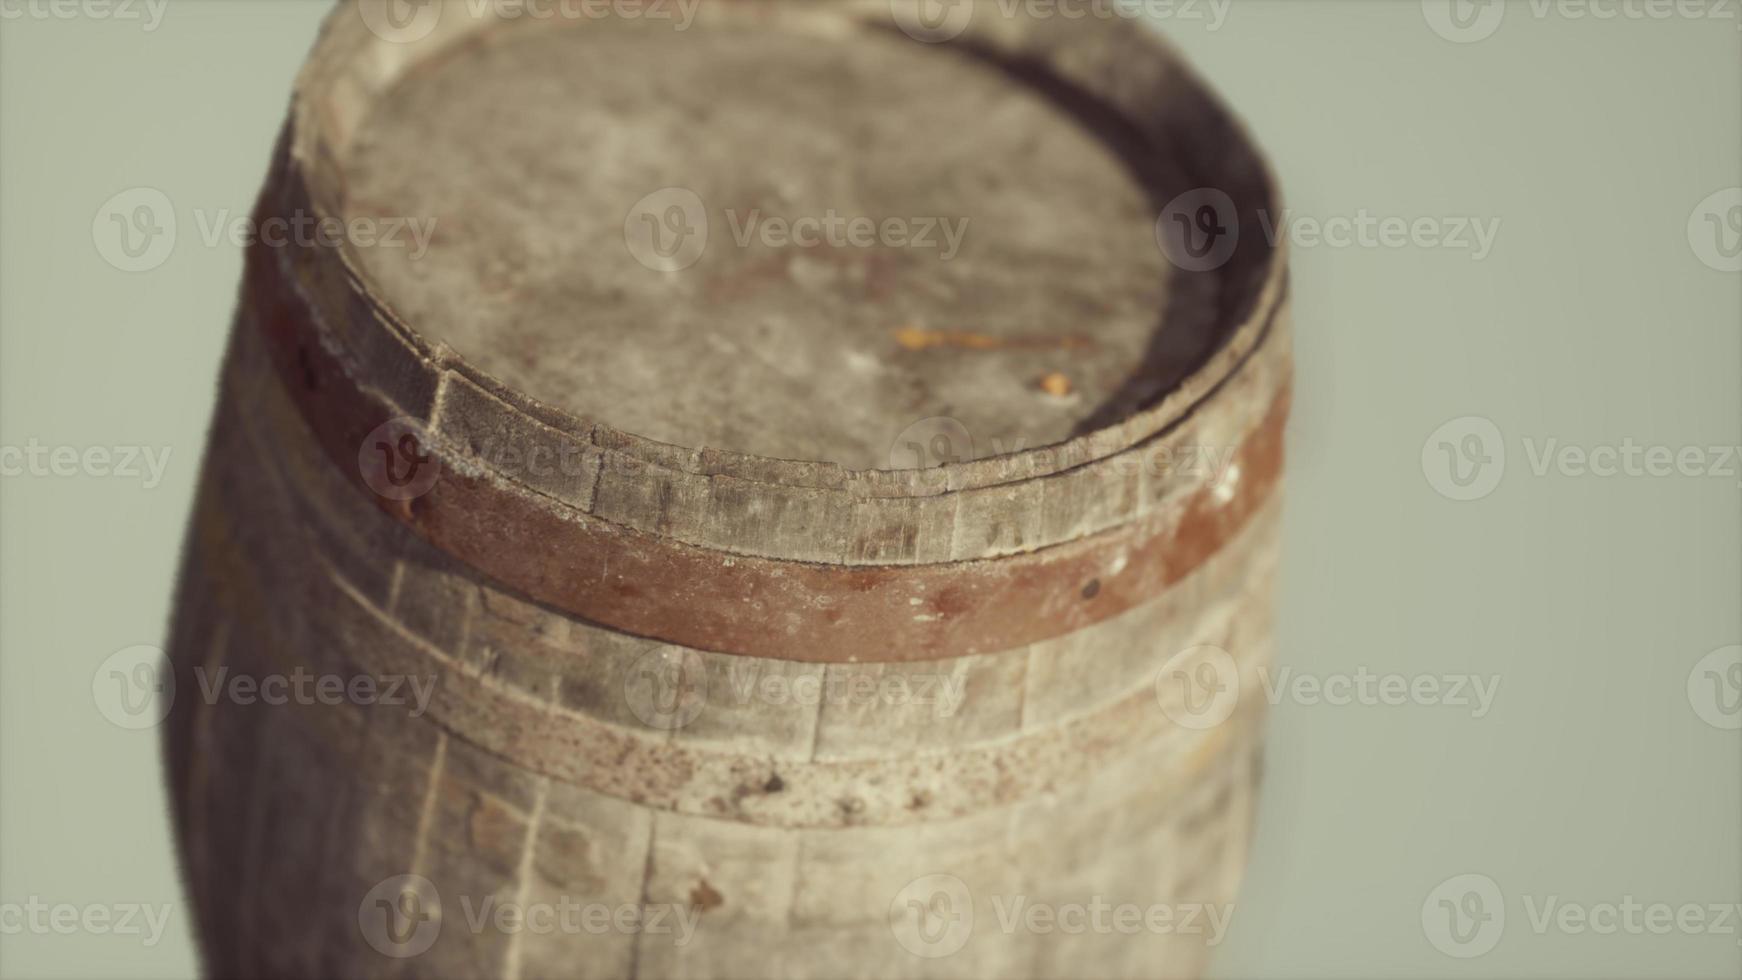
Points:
[1598,146]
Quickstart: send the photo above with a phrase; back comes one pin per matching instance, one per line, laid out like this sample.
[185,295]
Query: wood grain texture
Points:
[788,828]
[550,793]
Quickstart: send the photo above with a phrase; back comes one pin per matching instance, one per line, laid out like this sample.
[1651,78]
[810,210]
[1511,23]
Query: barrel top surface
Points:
[882,232]
[580,508]
[1085,97]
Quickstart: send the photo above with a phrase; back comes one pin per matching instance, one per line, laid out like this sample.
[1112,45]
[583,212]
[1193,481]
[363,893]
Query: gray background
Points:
[1593,320]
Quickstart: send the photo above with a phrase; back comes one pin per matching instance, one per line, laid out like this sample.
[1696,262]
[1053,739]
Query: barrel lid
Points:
[971,555]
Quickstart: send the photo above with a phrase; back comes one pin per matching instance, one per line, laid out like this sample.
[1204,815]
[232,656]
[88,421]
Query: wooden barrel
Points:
[902,628]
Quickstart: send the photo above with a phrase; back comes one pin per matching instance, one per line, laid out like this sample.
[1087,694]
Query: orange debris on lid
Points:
[1056,384]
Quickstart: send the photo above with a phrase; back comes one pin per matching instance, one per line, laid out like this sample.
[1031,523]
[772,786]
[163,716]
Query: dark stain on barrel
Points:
[950,601]
[705,896]
[309,379]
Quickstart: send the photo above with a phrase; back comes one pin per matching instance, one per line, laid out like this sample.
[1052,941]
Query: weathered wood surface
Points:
[532,777]
[1017,242]
[792,803]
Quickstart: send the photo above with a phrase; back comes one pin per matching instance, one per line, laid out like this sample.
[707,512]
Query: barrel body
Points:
[674,713]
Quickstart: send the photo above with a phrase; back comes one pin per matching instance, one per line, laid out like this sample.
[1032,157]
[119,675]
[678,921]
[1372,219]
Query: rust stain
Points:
[914,337]
[705,896]
[490,828]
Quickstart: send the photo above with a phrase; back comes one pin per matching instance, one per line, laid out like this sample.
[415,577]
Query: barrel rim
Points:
[325,101]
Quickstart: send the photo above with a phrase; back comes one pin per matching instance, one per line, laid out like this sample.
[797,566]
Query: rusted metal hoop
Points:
[352,366]
[711,600]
